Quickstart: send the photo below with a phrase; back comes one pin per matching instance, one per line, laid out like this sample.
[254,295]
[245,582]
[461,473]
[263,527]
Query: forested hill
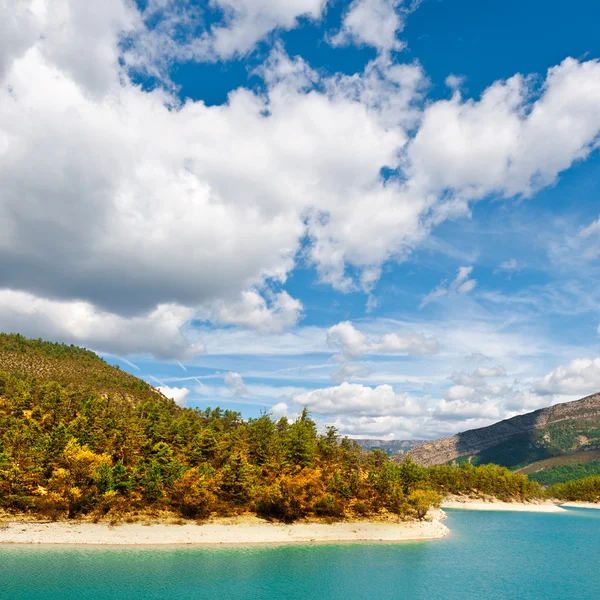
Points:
[70,366]
[549,432]
[79,438]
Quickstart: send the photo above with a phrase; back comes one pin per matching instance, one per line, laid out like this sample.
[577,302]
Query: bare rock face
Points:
[476,440]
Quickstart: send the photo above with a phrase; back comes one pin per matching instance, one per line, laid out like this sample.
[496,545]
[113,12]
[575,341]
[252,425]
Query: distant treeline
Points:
[563,473]
[580,490]
[71,447]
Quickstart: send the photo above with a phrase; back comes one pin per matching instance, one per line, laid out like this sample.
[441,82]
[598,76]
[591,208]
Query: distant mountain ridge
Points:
[516,442]
[390,447]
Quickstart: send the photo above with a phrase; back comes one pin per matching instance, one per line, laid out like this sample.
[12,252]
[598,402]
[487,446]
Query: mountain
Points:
[554,431]
[390,447]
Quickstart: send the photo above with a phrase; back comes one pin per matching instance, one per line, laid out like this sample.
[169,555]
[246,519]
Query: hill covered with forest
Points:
[557,431]
[80,438]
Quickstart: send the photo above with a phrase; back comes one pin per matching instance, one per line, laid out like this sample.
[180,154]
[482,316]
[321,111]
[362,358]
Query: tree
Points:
[301,441]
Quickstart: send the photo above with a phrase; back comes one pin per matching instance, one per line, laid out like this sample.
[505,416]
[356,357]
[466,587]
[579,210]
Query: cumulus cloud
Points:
[128,199]
[514,140]
[473,401]
[357,399]
[159,332]
[235,383]
[474,397]
[463,409]
[375,23]
[352,343]
[279,410]
[82,43]
[179,395]
[19,27]
[172,30]
[461,285]
[454,82]
[579,377]
[253,311]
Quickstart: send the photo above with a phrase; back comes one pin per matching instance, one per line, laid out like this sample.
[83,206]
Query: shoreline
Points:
[498,505]
[211,534]
[592,505]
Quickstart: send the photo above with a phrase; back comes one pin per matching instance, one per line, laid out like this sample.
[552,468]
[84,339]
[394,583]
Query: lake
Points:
[489,555]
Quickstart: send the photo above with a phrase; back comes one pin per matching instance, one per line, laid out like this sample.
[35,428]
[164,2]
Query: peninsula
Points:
[91,454]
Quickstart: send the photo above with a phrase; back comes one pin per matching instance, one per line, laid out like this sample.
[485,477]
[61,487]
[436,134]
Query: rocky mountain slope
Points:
[522,440]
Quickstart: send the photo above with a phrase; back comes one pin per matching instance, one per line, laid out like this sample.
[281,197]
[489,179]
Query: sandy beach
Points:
[474,504]
[258,532]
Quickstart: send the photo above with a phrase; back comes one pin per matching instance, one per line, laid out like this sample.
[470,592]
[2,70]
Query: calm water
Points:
[488,556]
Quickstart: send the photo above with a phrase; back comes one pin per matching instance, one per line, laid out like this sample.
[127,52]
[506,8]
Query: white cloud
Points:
[591,237]
[592,229]
[477,376]
[179,395]
[351,342]
[235,383]
[490,372]
[374,23]
[510,266]
[127,200]
[413,345]
[247,21]
[19,27]
[455,82]
[477,357]
[279,410]
[349,371]
[463,409]
[158,332]
[579,377]
[357,399]
[176,30]
[509,142]
[348,339]
[146,172]
[254,312]
[459,286]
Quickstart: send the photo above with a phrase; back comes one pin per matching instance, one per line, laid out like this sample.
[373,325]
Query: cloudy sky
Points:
[387,211]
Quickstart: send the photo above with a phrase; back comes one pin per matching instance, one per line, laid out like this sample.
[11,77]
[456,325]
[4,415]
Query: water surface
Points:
[488,556]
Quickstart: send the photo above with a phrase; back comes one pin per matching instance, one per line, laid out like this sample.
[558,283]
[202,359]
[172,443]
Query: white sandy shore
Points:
[581,504]
[469,504]
[211,534]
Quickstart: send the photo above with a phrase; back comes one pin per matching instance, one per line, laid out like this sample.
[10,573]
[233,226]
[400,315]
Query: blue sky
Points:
[387,211]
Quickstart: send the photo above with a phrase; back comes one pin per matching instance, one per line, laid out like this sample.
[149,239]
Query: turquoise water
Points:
[489,556]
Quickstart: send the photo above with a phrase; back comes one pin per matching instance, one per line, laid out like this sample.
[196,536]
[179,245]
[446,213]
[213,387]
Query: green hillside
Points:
[70,366]
[565,467]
